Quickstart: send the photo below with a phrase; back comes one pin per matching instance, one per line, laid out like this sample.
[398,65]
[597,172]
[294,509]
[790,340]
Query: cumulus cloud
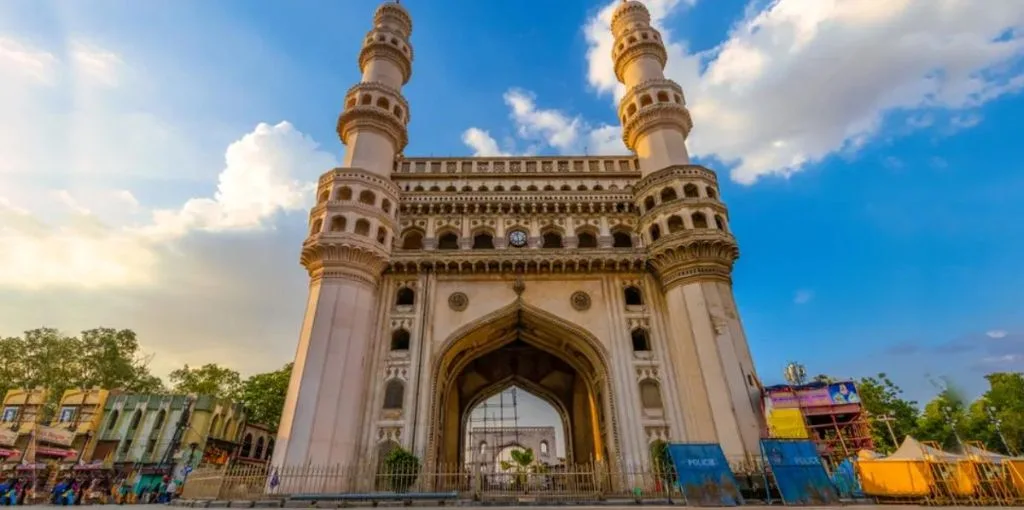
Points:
[545,128]
[267,171]
[89,233]
[796,81]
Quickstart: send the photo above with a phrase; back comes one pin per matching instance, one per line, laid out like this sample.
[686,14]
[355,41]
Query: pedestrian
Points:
[172,490]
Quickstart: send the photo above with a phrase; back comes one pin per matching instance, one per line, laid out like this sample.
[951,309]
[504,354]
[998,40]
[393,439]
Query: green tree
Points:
[112,359]
[209,379]
[1002,403]
[263,396]
[944,420]
[12,364]
[521,464]
[884,401]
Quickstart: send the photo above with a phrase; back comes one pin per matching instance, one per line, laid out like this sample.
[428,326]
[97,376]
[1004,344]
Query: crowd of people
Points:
[81,489]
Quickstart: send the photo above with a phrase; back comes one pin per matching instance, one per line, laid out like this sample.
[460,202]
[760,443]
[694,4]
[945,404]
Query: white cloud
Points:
[268,170]
[482,143]
[996,333]
[803,296]
[802,79]
[541,128]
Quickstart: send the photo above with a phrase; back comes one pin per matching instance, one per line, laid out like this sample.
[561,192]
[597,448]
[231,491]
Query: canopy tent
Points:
[914,470]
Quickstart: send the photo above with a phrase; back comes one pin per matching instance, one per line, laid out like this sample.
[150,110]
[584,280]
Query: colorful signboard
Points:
[841,393]
[787,424]
[55,436]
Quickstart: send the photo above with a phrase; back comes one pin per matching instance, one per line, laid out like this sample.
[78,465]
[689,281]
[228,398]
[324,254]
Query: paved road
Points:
[624,507]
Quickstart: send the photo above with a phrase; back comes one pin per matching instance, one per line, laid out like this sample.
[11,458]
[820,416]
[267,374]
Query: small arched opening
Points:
[633,296]
[622,240]
[483,241]
[699,220]
[362,227]
[412,240]
[690,191]
[641,340]
[400,340]
[394,394]
[448,241]
[405,297]
[586,239]
[675,224]
[668,194]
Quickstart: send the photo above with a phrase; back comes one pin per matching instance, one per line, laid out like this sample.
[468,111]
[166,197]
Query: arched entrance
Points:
[520,345]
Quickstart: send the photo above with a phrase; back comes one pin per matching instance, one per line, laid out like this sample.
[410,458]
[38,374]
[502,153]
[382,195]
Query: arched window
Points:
[338,224]
[675,224]
[699,220]
[622,240]
[499,188]
[641,340]
[719,222]
[386,205]
[668,194]
[552,240]
[246,445]
[586,240]
[645,99]
[531,188]
[543,447]
[467,188]
[344,193]
[366,99]
[137,417]
[405,297]
[413,240]
[581,187]
[483,241]
[648,204]
[450,188]
[367,197]
[566,187]
[655,232]
[690,191]
[448,241]
[318,225]
[383,102]
[432,188]
[158,423]
[711,192]
[112,421]
[382,235]
[323,196]
[483,447]
[400,340]
[663,97]
[549,188]
[270,448]
[650,394]
[515,187]
[258,453]
[394,394]
[363,227]
[633,296]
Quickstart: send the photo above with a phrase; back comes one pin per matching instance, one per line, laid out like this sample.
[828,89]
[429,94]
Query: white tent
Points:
[912,449]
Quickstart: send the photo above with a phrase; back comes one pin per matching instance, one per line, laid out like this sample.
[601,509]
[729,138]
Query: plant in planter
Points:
[401,469]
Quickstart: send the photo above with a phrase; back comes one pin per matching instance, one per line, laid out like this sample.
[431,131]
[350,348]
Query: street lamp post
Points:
[951,416]
[993,416]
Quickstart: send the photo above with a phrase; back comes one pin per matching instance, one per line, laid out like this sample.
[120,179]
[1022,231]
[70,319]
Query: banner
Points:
[55,436]
[704,476]
[787,424]
[842,393]
[8,437]
[798,472]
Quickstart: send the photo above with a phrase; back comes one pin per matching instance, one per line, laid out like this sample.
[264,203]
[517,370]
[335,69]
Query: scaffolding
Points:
[491,428]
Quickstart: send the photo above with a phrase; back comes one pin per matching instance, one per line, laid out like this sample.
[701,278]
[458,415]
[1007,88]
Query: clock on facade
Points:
[517,238]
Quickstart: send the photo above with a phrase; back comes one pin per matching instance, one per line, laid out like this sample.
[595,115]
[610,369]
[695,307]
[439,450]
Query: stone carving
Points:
[580,300]
[458,301]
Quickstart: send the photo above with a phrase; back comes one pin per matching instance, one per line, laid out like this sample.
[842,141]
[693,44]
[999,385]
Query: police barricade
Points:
[704,475]
[798,472]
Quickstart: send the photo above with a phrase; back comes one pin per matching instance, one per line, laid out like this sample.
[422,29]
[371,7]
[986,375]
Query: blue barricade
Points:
[704,475]
[797,469]
[844,478]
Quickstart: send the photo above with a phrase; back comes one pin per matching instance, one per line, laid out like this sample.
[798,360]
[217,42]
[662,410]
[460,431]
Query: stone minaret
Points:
[684,226]
[351,231]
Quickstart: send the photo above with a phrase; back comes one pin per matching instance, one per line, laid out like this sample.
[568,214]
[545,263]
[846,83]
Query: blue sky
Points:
[867,156]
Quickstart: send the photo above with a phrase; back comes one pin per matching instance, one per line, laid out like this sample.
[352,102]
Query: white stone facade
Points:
[601,284]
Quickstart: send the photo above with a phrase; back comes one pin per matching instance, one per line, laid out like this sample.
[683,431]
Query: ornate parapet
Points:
[377,107]
[652,116]
[687,256]
[383,44]
[631,260]
[343,256]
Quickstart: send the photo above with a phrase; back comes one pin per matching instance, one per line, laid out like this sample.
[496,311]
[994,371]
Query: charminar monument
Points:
[602,285]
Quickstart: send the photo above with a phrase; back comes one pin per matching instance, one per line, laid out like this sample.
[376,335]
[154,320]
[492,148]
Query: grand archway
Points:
[523,346]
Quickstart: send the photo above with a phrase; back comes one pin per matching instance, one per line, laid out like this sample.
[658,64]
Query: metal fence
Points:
[573,483]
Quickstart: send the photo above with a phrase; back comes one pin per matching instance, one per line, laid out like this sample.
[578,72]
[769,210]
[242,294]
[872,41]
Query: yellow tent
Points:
[916,470]
[1010,469]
